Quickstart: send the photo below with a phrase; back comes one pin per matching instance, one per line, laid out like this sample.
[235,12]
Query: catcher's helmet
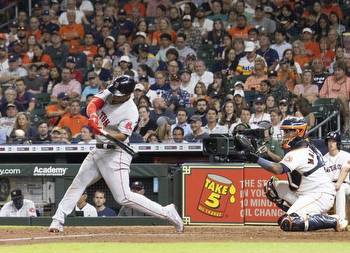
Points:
[121,86]
[297,124]
[333,136]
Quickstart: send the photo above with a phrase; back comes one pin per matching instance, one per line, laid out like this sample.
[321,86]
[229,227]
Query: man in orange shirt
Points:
[338,86]
[242,28]
[55,111]
[312,48]
[134,6]
[72,33]
[75,121]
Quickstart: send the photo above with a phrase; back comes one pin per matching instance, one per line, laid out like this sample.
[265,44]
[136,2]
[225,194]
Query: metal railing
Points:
[6,12]
[319,126]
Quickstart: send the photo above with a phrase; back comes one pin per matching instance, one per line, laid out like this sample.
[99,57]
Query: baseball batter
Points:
[115,112]
[310,193]
[338,161]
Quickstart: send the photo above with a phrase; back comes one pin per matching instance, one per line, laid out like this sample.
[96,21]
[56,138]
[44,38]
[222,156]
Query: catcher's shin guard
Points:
[272,195]
[292,222]
[321,221]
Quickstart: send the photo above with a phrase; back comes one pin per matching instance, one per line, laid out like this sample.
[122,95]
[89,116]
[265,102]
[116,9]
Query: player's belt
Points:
[105,146]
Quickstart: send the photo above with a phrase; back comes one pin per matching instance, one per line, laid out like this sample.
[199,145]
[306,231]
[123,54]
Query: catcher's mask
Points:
[294,132]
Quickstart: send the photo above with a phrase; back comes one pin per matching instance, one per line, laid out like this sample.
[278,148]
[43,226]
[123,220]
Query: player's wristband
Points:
[264,163]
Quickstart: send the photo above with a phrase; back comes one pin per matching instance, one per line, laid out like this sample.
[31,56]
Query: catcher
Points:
[310,193]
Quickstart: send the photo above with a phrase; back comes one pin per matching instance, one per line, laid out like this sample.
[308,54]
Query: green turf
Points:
[179,248]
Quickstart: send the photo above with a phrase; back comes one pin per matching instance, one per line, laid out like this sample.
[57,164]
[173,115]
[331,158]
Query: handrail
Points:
[8,7]
[334,114]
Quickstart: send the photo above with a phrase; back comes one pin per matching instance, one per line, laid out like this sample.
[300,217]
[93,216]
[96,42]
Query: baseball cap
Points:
[14,24]
[185,71]
[238,83]
[17,193]
[142,34]
[124,58]
[259,7]
[46,13]
[11,105]
[137,185]
[53,28]
[21,28]
[144,77]
[195,118]
[63,96]
[109,38]
[12,58]
[107,18]
[139,86]
[187,17]
[56,129]
[121,12]
[283,101]
[239,93]
[3,48]
[71,59]
[259,99]
[307,30]
[249,46]
[272,73]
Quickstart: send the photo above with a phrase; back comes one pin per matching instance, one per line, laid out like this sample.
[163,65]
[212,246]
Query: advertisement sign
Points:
[226,194]
[257,208]
[211,194]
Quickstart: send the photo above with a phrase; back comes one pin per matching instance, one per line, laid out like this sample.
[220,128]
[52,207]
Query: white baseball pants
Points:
[340,200]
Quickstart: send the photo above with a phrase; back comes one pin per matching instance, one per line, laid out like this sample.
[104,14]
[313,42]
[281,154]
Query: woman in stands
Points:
[228,116]
[86,136]
[307,88]
[164,26]
[276,117]
[39,57]
[22,123]
[200,91]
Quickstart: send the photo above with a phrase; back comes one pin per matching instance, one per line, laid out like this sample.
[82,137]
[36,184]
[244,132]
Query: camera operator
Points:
[270,147]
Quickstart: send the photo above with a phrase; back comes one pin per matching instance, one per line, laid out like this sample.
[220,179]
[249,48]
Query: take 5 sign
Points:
[226,194]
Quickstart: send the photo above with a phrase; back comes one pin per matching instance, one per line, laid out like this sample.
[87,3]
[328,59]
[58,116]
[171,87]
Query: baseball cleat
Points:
[56,226]
[342,225]
[174,218]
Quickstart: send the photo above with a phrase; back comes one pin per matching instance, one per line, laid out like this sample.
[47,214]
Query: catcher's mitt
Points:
[242,143]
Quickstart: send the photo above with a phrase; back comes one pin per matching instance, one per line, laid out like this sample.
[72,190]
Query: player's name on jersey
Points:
[77,148]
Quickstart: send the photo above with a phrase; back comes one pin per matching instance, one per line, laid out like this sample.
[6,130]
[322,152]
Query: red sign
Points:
[257,208]
[226,194]
[212,194]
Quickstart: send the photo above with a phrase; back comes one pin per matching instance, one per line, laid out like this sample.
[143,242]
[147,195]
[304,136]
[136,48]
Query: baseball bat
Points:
[119,143]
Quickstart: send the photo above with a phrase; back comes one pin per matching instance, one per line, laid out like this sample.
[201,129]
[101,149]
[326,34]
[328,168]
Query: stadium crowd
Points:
[201,66]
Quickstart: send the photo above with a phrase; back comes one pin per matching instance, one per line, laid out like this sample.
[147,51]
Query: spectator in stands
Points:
[79,17]
[24,98]
[72,33]
[102,73]
[9,98]
[278,89]
[198,133]
[18,206]
[261,21]
[68,85]
[242,28]
[54,78]
[258,75]
[38,58]
[201,74]
[204,24]
[165,44]
[42,136]
[76,74]
[139,91]
[74,121]
[56,136]
[86,136]
[228,116]
[338,86]
[99,201]
[244,119]
[270,101]
[84,207]
[270,55]
[176,97]
[92,86]
[319,71]
[136,187]
[178,135]
[283,106]
[280,43]
[33,82]
[145,126]
[13,72]
[56,111]
[193,34]
[181,121]
[259,115]
[160,109]
[7,122]
[163,130]
[239,102]
[276,117]
[213,127]
[22,131]
[217,11]
[307,89]
[246,64]
[58,51]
